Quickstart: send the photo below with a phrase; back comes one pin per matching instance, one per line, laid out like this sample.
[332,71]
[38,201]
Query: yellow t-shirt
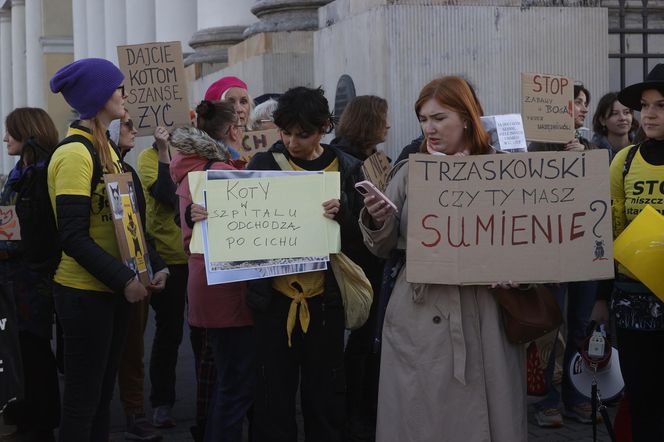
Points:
[643,185]
[160,220]
[70,173]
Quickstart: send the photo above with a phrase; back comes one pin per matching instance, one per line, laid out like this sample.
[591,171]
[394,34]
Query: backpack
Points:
[628,159]
[39,232]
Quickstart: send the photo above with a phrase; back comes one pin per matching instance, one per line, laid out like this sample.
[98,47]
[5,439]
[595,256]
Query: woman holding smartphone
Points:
[448,371]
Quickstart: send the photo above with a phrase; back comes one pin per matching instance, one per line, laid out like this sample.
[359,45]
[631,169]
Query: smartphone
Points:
[366,188]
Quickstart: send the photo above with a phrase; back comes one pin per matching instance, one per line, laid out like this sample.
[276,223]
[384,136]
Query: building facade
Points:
[388,48]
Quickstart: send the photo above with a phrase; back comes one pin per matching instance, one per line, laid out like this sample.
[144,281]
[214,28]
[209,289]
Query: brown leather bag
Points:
[528,313]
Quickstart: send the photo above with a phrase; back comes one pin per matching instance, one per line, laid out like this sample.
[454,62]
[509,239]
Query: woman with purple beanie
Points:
[92,287]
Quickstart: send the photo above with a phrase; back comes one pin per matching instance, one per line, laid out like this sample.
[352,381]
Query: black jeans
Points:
[39,411]
[234,352]
[94,328]
[317,356]
[362,370]
[169,317]
[642,366]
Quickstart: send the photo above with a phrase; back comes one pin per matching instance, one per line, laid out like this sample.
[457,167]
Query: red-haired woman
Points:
[448,371]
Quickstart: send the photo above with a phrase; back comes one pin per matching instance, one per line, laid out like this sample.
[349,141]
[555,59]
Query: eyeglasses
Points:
[122,89]
[129,124]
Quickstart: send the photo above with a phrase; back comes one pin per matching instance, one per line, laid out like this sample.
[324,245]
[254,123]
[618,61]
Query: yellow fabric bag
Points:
[355,288]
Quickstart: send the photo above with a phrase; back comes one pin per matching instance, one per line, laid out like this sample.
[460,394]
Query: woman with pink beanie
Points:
[234,91]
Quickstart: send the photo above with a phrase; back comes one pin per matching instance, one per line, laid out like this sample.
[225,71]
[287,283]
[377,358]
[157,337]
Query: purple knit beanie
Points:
[87,84]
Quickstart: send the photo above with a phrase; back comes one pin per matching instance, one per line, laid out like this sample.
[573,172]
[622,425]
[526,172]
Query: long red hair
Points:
[456,94]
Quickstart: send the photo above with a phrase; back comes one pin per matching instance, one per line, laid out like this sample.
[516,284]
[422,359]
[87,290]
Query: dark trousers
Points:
[206,374]
[234,358]
[94,328]
[38,413]
[362,370]
[131,372]
[315,362]
[169,319]
[642,366]
[580,300]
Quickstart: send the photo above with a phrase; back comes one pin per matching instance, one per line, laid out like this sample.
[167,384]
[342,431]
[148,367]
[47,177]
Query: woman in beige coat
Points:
[448,373]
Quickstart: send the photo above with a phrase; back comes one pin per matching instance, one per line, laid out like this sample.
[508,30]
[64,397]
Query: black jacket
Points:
[413,147]
[260,291]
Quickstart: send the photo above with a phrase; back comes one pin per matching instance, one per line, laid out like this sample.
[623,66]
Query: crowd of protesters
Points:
[431,363]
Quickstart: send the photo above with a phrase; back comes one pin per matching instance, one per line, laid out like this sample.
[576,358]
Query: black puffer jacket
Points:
[260,291]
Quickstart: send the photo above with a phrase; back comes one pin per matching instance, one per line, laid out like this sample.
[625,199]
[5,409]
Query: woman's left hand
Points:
[198,213]
[575,146]
[158,283]
[331,208]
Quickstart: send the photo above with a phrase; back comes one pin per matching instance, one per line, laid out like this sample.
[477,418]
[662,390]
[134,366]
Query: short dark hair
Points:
[215,117]
[578,88]
[306,108]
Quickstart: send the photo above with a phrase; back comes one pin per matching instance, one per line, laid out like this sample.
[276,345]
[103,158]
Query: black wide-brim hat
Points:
[631,95]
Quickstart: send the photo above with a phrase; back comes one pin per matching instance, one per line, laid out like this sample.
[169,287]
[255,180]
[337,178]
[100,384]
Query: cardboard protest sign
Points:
[10,230]
[531,217]
[376,168]
[155,85]
[506,131]
[129,234]
[267,218]
[258,141]
[640,248]
[547,107]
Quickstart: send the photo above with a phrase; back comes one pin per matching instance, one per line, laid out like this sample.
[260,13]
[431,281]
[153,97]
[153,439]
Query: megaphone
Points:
[598,361]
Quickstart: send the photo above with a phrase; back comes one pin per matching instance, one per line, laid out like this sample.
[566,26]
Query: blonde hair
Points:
[100,143]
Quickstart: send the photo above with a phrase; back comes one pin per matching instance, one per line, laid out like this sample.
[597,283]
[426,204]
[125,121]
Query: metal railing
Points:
[622,31]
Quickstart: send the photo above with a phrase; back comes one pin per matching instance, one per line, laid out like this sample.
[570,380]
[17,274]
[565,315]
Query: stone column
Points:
[96,28]
[33,53]
[140,17]
[285,15]
[18,53]
[80,26]
[220,25]
[175,21]
[115,28]
[6,162]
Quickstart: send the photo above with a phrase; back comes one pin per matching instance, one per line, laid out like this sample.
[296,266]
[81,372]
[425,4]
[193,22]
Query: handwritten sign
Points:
[506,131]
[155,85]
[532,217]
[266,218]
[547,107]
[129,234]
[376,168]
[258,141]
[10,230]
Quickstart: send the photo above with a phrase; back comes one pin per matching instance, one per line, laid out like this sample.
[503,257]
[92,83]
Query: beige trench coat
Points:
[448,373]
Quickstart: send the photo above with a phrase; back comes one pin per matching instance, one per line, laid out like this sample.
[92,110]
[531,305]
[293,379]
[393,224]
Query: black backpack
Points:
[39,232]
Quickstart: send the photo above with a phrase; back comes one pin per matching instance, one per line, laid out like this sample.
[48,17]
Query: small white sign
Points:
[506,132]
